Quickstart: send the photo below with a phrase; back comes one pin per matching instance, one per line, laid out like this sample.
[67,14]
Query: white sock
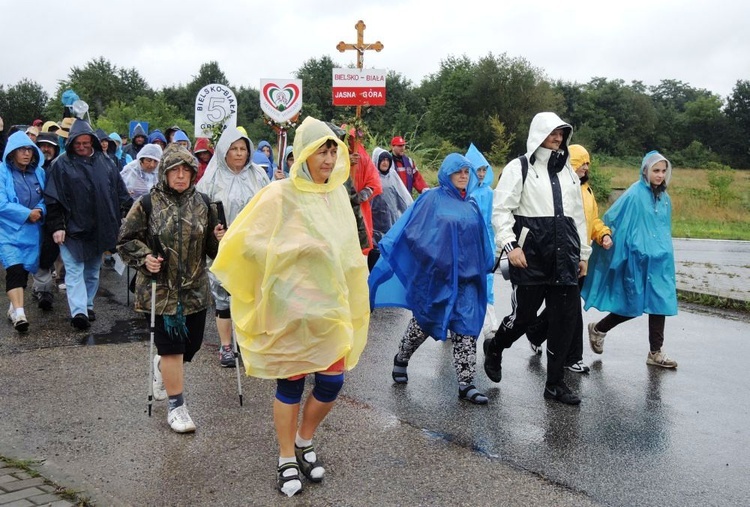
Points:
[20,313]
[301,442]
[290,487]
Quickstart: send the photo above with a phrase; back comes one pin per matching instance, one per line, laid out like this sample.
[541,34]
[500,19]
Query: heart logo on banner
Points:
[281,98]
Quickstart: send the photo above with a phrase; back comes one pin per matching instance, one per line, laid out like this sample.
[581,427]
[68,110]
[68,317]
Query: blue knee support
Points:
[288,391]
[327,387]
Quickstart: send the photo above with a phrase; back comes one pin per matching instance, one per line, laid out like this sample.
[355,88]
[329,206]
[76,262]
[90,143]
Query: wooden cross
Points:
[360,47]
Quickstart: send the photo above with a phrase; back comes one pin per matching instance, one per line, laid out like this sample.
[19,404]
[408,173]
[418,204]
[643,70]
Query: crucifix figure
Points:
[360,47]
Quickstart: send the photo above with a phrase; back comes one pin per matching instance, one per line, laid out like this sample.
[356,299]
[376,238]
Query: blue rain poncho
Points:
[483,197]
[292,262]
[636,275]
[436,257]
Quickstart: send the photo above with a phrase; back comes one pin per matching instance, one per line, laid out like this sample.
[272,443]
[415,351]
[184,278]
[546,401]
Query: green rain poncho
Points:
[292,262]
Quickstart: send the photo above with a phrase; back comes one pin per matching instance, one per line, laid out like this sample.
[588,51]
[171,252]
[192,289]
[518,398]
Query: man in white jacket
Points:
[540,224]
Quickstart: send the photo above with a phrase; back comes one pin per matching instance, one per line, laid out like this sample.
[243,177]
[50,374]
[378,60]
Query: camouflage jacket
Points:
[184,226]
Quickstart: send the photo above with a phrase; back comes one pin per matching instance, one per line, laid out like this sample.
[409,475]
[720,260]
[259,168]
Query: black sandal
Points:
[399,371]
[307,467]
[281,479]
[470,393]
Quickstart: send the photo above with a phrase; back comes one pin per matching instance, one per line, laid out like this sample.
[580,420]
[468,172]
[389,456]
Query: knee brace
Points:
[224,314]
[327,387]
[288,391]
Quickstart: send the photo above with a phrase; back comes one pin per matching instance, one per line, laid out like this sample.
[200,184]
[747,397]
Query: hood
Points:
[475,157]
[311,134]
[48,125]
[156,135]
[203,144]
[261,159]
[229,136]
[286,166]
[541,126]
[152,151]
[138,131]
[116,138]
[263,144]
[79,128]
[651,158]
[378,154]
[18,140]
[578,156]
[175,155]
[101,135]
[181,136]
[454,163]
[170,130]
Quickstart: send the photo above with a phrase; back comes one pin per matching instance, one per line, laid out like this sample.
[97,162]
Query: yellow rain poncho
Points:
[292,262]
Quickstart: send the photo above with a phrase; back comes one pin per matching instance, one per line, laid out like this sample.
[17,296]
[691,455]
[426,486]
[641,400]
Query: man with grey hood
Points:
[232,179]
[540,224]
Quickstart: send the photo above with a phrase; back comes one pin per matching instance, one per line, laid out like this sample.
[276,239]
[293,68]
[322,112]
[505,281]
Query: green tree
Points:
[156,111]
[738,124]
[22,103]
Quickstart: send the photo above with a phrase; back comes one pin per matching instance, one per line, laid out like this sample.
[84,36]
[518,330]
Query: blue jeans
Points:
[81,281]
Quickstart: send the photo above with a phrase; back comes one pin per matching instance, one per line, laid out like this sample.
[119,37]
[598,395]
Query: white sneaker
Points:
[536,349]
[160,392]
[660,358]
[579,367]
[180,420]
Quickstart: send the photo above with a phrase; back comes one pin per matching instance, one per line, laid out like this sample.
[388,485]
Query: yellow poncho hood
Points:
[291,261]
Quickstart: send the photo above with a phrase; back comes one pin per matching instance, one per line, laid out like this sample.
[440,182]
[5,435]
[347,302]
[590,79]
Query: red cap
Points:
[398,141]
[37,123]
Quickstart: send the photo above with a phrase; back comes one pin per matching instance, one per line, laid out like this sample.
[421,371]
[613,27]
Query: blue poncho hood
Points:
[483,194]
[436,257]
[636,275]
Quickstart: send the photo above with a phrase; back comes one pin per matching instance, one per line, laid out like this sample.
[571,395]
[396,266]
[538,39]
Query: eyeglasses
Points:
[27,149]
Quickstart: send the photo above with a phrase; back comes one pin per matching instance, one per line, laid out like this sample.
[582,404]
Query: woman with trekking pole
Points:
[169,236]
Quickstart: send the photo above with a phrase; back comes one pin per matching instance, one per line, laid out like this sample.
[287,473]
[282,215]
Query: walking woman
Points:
[298,279]
[186,229]
[21,211]
[434,261]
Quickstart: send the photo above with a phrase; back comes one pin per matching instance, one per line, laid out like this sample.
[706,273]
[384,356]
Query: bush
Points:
[601,183]
[695,155]
[720,179]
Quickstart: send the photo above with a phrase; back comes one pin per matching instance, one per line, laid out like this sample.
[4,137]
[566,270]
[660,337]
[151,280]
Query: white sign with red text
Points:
[359,87]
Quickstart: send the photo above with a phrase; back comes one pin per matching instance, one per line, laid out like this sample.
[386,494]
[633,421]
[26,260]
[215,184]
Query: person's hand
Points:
[364,194]
[35,215]
[153,264]
[278,174]
[219,232]
[58,237]
[517,258]
[607,242]
[583,267]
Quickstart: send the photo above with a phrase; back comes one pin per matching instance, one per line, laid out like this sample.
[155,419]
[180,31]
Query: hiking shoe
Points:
[160,392]
[288,480]
[45,300]
[80,321]
[561,393]
[578,367]
[596,338]
[536,349]
[20,324]
[309,463]
[35,295]
[493,359]
[660,358]
[226,357]
[179,420]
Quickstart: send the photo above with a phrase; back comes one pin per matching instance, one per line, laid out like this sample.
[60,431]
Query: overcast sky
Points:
[703,43]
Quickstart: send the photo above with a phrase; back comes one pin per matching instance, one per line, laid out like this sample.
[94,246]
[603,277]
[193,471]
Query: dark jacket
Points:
[85,197]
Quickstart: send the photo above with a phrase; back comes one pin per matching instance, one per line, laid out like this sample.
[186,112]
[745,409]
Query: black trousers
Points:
[655,328]
[563,309]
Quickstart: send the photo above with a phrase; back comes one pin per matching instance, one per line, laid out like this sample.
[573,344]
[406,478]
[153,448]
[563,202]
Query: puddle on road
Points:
[124,331]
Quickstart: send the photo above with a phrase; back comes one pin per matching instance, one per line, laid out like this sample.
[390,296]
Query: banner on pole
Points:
[359,87]
[215,105]
[281,99]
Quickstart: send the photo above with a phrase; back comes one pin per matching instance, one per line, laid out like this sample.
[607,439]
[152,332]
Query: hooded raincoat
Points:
[220,183]
[482,195]
[436,257]
[392,202]
[122,158]
[270,169]
[636,275]
[20,239]
[202,144]
[292,262]
[184,226]
[85,197]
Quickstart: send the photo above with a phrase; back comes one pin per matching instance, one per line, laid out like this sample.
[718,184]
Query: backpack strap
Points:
[524,168]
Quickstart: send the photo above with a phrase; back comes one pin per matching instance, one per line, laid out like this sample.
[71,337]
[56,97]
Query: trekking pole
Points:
[223,223]
[155,249]
[127,287]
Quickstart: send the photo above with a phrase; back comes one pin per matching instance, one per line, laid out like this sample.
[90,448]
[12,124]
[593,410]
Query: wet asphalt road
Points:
[642,436]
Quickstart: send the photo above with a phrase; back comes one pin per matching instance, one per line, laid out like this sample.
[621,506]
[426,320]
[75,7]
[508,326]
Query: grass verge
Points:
[714,301]
[27,465]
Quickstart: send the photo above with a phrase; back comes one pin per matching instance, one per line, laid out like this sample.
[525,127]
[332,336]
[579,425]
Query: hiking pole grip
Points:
[220,212]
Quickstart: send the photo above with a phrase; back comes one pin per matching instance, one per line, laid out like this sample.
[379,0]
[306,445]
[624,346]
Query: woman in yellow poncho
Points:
[292,262]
